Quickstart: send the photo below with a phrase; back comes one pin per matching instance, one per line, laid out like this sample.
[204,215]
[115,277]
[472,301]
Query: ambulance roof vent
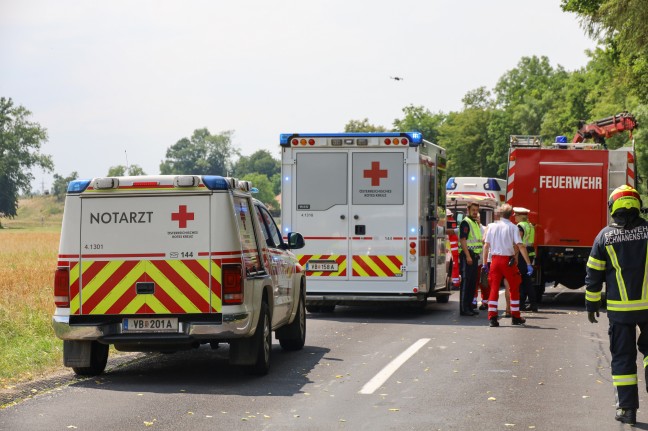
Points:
[186,181]
[105,183]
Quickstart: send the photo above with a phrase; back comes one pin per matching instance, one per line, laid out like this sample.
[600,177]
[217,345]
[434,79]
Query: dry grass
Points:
[28,346]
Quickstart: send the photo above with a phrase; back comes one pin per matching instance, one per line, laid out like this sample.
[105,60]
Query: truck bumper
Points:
[234,326]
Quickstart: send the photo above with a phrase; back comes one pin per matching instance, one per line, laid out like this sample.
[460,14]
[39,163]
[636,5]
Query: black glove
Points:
[590,314]
[591,318]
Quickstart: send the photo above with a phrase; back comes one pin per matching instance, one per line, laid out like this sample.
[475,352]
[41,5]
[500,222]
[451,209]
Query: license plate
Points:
[322,266]
[148,324]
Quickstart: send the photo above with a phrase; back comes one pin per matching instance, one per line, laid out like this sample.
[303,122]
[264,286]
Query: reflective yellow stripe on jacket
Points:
[624,304]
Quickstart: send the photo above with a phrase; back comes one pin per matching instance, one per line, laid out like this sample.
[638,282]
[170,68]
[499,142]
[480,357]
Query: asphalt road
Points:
[364,368]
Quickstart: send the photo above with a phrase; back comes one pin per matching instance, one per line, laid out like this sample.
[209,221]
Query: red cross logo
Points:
[182,216]
[375,173]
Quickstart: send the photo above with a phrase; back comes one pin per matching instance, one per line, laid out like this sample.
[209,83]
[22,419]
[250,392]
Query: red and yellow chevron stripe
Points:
[181,286]
[340,259]
[377,266]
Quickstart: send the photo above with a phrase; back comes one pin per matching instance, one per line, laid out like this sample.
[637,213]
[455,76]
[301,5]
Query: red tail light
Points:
[232,285]
[62,287]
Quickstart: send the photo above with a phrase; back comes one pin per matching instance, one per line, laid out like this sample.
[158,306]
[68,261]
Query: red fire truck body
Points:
[565,187]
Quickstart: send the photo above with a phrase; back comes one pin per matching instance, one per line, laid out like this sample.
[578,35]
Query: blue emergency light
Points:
[492,184]
[78,186]
[450,184]
[215,182]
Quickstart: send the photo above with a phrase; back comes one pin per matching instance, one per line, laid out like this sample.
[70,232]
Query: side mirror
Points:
[295,240]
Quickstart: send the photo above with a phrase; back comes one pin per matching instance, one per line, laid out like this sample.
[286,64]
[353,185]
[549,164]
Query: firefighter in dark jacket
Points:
[619,260]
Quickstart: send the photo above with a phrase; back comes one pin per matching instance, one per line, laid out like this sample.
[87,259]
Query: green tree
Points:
[420,119]
[362,126]
[264,187]
[20,144]
[260,162]
[60,185]
[202,154]
[621,27]
[122,170]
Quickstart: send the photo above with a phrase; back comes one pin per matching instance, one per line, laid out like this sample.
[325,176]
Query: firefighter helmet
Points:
[624,197]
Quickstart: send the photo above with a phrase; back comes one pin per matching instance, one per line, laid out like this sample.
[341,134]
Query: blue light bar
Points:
[215,182]
[492,184]
[561,139]
[415,138]
[450,184]
[78,186]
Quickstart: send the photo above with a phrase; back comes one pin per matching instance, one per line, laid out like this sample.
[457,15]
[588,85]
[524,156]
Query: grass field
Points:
[28,346]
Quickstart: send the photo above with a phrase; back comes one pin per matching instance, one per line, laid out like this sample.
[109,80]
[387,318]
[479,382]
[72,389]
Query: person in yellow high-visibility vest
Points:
[527,232]
[470,240]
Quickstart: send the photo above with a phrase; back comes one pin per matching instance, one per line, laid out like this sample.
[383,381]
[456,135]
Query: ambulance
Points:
[488,192]
[171,262]
[371,209]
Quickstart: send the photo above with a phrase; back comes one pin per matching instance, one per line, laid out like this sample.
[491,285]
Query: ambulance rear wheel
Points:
[263,342]
[98,360]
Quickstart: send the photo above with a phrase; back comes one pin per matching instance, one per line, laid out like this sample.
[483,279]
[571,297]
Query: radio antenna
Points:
[127,168]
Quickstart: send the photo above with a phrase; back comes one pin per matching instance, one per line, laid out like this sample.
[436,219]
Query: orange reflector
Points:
[302,142]
[396,141]
[412,251]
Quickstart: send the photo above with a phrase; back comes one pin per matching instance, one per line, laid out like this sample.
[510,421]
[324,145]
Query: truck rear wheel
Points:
[263,341]
[98,360]
[293,336]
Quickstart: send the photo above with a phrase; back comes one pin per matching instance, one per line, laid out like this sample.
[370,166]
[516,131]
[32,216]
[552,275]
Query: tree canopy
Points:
[121,170]
[20,151]
[202,154]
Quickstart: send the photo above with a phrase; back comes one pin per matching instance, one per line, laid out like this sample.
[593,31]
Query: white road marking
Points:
[382,376]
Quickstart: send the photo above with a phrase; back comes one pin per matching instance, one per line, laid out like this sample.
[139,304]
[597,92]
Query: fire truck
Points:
[371,208]
[565,186]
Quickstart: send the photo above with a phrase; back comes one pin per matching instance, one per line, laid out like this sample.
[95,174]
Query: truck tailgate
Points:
[145,255]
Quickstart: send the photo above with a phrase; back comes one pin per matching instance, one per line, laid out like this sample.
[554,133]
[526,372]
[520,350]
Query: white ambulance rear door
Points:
[320,211]
[378,215]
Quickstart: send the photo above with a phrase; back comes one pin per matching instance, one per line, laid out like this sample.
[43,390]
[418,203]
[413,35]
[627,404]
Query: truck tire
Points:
[442,298]
[293,336]
[263,342]
[313,309]
[98,360]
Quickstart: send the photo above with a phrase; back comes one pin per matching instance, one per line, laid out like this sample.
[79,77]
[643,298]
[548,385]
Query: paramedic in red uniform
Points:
[619,259]
[502,240]
[470,239]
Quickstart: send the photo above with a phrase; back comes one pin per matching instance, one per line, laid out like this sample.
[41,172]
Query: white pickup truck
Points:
[167,263]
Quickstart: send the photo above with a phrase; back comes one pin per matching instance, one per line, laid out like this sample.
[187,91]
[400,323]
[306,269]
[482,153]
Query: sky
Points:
[121,81]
